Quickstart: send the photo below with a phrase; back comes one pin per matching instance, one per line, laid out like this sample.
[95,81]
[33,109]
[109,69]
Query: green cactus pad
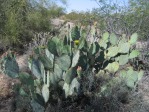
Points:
[66,49]
[49,55]
[94,48]
[133,38]
[26,79]
[75,59]
[130,83]
[46,62]
[70,75]
[112,51]
[58,72]
[52,45]
[113,39]
[134,54]
[63,62]
[45,93]
[36,68]
[66,88]
[105,37]
[124,47]
[123,59]
[53,79]
[131,77]
[82,43]
[11,67]
[123,74]
[74,87]
[75,33]
[103,43]
[112,67]
[83,61]
[59,48]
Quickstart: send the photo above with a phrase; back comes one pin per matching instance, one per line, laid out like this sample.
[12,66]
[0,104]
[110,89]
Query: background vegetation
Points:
[19,19]
[117,17]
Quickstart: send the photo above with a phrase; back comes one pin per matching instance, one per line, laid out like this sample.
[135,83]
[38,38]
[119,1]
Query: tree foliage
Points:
[120,17]
[127,18]
[19,18]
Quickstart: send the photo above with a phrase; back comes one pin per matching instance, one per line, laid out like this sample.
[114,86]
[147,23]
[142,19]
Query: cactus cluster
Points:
[63,65]
[107,56]
[53,65]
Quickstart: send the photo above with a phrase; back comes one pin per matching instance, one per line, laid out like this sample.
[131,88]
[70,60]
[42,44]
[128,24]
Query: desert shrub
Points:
[19,19]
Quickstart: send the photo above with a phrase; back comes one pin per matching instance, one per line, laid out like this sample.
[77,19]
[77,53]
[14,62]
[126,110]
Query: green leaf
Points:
[133,38]
[134,54]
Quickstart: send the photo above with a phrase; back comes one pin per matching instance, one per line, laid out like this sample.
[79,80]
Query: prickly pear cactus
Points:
[74,65]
